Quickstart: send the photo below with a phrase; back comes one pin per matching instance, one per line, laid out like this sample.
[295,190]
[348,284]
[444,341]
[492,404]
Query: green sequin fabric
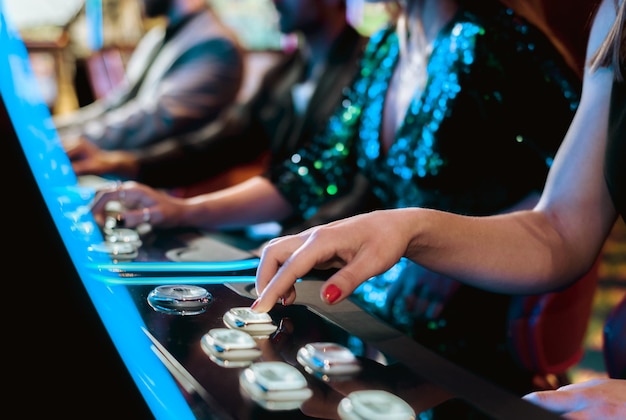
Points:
[479,137]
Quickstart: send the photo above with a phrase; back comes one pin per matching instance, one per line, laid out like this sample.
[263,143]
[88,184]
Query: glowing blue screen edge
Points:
[39,141]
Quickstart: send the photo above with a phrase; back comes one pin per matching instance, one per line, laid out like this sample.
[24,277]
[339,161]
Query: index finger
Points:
[278,270]
[555,401]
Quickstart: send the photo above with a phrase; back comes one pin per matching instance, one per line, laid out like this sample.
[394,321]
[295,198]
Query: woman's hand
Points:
[594,399]
[360,247]
[139,204]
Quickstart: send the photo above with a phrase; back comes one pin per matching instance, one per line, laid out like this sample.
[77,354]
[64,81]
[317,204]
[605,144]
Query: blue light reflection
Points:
[53,174]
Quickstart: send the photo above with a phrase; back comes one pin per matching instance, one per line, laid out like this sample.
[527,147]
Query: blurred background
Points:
[78,48]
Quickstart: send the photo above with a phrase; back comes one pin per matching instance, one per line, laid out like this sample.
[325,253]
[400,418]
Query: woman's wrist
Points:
[124,163]
[414,225]
[196,212]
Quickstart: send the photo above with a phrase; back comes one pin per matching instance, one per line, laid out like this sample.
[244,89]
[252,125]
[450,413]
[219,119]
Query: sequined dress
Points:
[480,136]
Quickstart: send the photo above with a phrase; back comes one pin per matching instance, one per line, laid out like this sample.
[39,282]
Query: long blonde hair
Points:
[612,51]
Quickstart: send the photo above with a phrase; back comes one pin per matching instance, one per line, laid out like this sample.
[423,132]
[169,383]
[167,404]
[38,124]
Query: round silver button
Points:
[180,299]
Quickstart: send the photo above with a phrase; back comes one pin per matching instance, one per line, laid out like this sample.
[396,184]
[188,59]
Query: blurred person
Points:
[178,77]
[528,251]
[296,97]
[459,106]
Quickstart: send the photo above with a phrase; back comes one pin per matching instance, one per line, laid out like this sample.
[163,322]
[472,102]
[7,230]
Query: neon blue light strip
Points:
[95,34]
[157,281]
[51,169]
[179,267]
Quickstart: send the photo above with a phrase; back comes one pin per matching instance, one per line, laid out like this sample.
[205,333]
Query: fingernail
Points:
[332,293]
[283,301]
[254,304]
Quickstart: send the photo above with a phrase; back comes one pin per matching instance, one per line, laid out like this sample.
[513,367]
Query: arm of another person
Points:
[200,84]
[255,200]
[233,138]
[521,252]
[601,398]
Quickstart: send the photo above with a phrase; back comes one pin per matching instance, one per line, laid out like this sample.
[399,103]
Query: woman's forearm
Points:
[479,251]
[253,201]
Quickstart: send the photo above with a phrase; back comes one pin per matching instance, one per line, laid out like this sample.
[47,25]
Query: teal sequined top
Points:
[481,136]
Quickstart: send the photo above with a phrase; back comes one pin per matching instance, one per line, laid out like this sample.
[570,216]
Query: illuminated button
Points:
[123,235]
[275,385]
[374,405]
[256,324]
[180,299]
[230,348]
[112,207]
[327,358]
[116,250]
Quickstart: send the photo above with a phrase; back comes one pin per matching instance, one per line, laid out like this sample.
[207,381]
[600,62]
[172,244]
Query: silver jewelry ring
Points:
[146,214]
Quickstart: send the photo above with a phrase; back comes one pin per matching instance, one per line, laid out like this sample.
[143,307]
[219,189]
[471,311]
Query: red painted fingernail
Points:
[332,293]
[254,304]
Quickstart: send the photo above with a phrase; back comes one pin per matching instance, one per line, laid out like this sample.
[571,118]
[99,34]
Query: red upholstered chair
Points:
[547,331]
[615,341]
